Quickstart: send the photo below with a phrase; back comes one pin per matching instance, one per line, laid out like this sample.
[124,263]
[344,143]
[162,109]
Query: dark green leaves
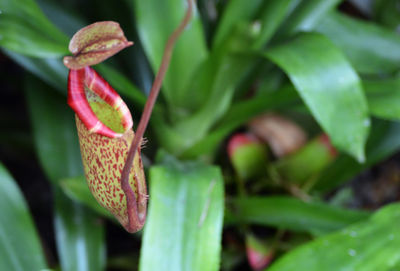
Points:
[19,244]
[155,21]
[330,88]
[79,235]
[368,246]
[384,97]
[292,214]
[184,224]
[25,29]
[371,49]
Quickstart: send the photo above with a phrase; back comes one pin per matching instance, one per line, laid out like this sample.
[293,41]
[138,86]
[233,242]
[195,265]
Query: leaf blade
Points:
[326,82]
[185,218]
[19,244]
[292,214]
[369,245]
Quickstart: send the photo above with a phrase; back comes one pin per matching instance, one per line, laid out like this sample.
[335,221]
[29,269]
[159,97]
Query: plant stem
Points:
[144,120]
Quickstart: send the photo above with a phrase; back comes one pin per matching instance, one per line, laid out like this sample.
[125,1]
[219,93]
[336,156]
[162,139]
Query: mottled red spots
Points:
[103,164]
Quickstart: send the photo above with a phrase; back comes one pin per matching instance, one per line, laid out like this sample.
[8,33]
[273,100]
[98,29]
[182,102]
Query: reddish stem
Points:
[132,202]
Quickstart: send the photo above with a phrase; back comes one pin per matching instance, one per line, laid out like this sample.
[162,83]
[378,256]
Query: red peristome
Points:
[98,85]
[239,140]
[77,100]
[324,139]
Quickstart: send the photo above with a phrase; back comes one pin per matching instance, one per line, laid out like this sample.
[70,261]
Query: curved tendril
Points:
[132,202]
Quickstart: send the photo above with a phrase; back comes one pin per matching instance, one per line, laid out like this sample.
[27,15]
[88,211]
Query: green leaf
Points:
[269,16]
[371,49]
[184,225]
[26,30]
[237,115]
[29,11]
[306,15]
[326,82]
[292,214]
[383,97]
[155,21]
[54,132]
[18,36]
[368,246]
[78,190]
[50,70]
[387,12]
[235,11]
[19,243]
[80,237]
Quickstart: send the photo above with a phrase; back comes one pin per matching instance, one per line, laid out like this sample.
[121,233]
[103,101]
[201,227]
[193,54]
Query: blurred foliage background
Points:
[272,147]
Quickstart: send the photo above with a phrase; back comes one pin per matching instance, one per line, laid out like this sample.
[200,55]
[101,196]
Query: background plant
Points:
[310,61]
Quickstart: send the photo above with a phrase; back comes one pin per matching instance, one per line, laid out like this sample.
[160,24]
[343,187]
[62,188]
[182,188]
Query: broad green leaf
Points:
[226,66]
[20,248]
[371,49]
[235,11]
[383,97]
[237,115]
[266,16]
[306,15]
[26,30]
[80,237]
[155,21]
[184,224]
[368,246]
[329,87]
[18,36]
[292,214]
[383,142]
[30,12]
[50,70]
[387,12]
[77,189]
[54,132]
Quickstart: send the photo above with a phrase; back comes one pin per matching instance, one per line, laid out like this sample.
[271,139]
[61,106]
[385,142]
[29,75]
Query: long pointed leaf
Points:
[19,244]
[292,214]
[371,49]
[183,228]
[368,246]
[330,88]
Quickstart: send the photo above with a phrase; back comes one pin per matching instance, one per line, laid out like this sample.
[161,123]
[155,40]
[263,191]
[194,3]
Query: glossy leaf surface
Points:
[326,82]
[292,214]
[368,246]
[20,247]
[187,206]
[371,49]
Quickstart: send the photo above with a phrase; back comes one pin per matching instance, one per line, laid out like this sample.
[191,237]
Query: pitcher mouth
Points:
[97,104]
